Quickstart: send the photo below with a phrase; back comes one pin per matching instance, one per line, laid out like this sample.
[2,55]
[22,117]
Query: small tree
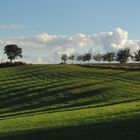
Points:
[137,56]
[84,58]
[87,57]
[98,57]
[123,55]
[109,56]
[79,58]
[64,58]
[12,52]
[72,57]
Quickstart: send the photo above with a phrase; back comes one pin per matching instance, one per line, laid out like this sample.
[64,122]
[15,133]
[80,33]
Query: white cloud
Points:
[45,48]
[111,40]
[11,26]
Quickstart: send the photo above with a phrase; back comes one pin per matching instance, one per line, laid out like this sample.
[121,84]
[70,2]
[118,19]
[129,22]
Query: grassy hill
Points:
[39,102]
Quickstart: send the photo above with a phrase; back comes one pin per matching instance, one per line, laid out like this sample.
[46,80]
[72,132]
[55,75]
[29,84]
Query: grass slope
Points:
[69,102]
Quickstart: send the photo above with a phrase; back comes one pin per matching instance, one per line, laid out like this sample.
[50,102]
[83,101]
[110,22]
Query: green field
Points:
[69,102]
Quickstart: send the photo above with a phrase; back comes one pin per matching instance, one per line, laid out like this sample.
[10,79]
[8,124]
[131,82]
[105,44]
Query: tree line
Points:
[122,56]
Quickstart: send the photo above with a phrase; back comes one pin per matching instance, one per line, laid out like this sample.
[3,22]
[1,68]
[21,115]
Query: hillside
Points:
[69,102]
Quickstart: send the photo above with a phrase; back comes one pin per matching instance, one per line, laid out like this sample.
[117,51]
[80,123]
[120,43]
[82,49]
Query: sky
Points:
[45,29]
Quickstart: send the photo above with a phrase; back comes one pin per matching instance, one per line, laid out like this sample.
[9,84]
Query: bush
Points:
[8,64]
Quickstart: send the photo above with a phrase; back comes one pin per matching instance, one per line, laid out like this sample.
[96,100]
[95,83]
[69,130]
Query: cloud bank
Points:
[45,48]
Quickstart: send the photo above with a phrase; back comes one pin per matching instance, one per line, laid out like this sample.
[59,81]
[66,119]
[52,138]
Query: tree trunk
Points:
[11,60]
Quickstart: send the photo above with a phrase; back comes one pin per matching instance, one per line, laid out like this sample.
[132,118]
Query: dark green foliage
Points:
[8,64]
[64,58]
[137,56]
[87,57]
[12,51]
[79,58]
[109,56]
[123,55]
[72,57]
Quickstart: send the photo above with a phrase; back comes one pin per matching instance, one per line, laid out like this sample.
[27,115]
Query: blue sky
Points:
[47,29]
[70,16]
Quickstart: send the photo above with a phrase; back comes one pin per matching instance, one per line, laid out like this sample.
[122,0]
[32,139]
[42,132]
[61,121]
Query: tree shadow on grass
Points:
[18,99]
[123,129]
[112,66]
[36,95]
[55,102]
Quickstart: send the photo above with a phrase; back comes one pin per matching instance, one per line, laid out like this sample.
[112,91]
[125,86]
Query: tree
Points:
[87,57]
[72,57]
[98,57]
[79,58]
[109,56]
[123,55]
[137,56]
[64,58]
[12,51]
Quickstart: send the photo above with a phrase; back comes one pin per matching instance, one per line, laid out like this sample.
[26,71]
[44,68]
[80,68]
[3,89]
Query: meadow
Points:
[73,102]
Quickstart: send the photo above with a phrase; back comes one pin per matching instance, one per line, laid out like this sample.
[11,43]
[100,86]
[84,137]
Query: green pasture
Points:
[73,102]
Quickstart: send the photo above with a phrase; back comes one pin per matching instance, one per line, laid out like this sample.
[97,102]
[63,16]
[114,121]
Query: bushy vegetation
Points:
[137,56]
[123,55]
[9,64]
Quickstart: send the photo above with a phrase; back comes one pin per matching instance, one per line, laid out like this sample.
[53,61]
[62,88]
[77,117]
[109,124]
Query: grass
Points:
[69,102]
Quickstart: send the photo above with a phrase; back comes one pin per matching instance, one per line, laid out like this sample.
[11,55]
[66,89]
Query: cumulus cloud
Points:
[11,26]
[112,41]
[45,48]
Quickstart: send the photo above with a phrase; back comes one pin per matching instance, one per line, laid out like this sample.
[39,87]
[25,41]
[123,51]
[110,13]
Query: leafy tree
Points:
[137,56]
[87,57]
[64,58]
[98,57]
[12,51]
[123,55]
[109,56]
[72,57]
[84,57]
[79,58]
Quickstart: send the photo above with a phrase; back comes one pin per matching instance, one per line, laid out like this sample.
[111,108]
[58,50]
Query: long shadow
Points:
[56,101]
[122,129]
[45,92]
[36,76]
[24,99]
[33,85]
[24,79]
[81,106]
[117,67]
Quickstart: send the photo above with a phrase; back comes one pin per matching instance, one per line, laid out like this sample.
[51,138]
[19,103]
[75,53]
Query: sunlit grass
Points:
[50,97]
